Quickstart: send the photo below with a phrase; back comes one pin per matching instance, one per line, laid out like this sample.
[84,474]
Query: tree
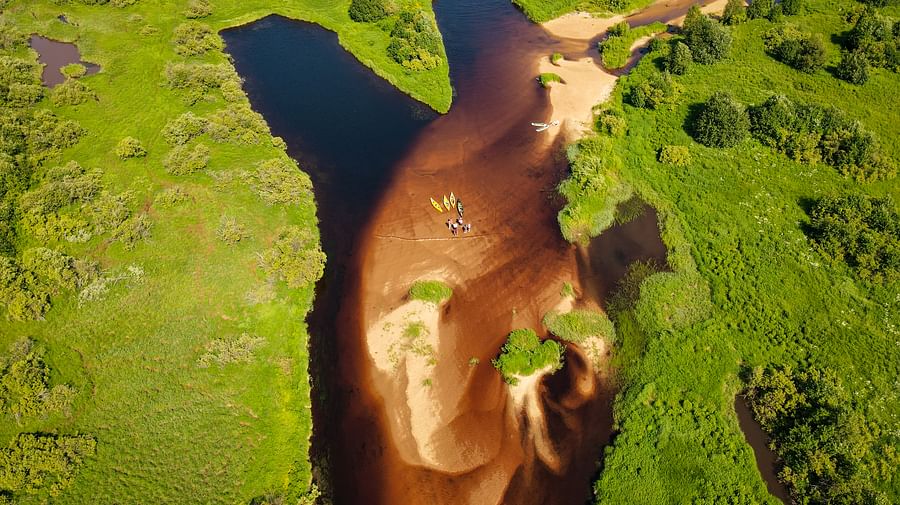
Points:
[791,7]
[130,147]
[369,11]
[854,67]
[708,39]
[734,13]
[721,122]
[679,59]
[760,8]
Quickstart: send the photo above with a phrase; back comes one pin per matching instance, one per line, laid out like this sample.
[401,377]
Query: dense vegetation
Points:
[545,10]
[158,253]
[524,354]
[435,292]
[615,50]
[773,261]
[578,325]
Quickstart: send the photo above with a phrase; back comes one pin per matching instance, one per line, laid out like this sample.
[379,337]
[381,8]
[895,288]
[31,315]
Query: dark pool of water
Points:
[54,55]
[766,459]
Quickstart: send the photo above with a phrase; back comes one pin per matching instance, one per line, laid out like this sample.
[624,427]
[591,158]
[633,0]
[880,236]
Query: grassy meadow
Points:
[189,360]
[748,287]
[545,10]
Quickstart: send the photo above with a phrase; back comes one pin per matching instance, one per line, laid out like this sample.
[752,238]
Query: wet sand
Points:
[54,55]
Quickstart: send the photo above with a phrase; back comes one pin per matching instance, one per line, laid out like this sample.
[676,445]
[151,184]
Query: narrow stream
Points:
[766,459]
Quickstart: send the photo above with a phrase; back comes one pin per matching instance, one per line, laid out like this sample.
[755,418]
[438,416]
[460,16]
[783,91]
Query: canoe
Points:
[446,202]
[542,128]
[459,207]
[452,200]
[436,205]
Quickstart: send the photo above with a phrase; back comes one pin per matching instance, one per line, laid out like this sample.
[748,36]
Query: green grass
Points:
[549,77]
[616,50]
[524,354]
[545,10]
[733,220]
[555,58]
[579,325]
[435,292]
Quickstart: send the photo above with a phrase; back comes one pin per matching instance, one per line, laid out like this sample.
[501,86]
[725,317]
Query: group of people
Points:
[458,224]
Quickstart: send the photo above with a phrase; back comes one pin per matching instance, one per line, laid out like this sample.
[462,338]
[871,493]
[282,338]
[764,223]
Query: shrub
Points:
[548,77]
[170,197]
[854,67]
[370,11]
[108,211]
[295,257]
[61,186]
[130,147]
[230,231]
[803,51]
[656,90]
[197,9]
[679,59]
[10,37]
[435,292]
[721,122]
[555,58]
[734,13]
[23,295]
[708,39]
[416,42]
[43,464]
[25,389]
[71,92]
[237,124]
[616,48]
[760,8]
[221,352]
[197,80]
[792,7]
[524,353]
[59,270]
[73,70]
[184,160]
[579,325]
[193,38]
[280,180]
[611,122]
[133,230]
[678,156]
[184,128]
[860,230]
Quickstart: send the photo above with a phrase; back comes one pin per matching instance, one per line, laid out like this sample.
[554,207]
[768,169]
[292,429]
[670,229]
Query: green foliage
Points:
[760,9]
[221,352]
[184,128]
[416,42]
[792,7]
[197,80]
[877,37]
[735,12]
[130,147]
[809,133]
[194,38]
[43,464]
[680,58]
[171,197]
[721,122]
[545,10]
[822,442]
[73,70]
[237,124]
[295,257]
[547,78]
[657,90]
[184,160]
[708,39]
[71,92]
[672,301]
[230,231]
[523,354]
[280,181]
[133,230]
[679,156]
[803,51]
[435,292]
[862,231]
[25,389]
[10,37]
[579,325]
[555,58]
[615,50]
[20,82]
[611,121]
[854,67]
[370,11]
[197,9]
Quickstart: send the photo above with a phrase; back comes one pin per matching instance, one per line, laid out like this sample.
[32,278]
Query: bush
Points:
[678,156]
[61,186]
[71,92]
[860,230]
[435,292]
[708,39]
[197,80]
[854,67]
[792,7]
[524,353]
[280,180]
[679,59]
[734,13]
[58,270]
[237,124]
[370,11]
[579,325]
[73,70]
[230,231]
[10,37]
[296,257]
[760,8]
[548,77]
[130,147]
[184,160]
[416,42]
[193,38]
[611,122]
[43,464]
[197,9]
[222,352]
[656,90]
[721,122]
[184,128]
[25,389]
[616,48]
[170,197]
[133,230]
[555,58]
[23,295]
[803,51]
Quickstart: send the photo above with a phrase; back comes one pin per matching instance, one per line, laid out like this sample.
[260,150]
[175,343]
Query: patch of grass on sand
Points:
[549,77]
[545,10]
[435,292]
[616,49]
[579,325]
[524,353]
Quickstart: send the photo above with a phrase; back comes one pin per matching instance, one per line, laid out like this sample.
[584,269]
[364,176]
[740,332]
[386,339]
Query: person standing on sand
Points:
[455,229]
[449,222]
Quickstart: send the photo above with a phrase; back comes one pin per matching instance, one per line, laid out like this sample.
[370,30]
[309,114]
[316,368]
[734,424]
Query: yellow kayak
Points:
[437,205]
[446,202]
[452,200]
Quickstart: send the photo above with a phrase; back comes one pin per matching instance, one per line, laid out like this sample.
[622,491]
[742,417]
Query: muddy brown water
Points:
[766,459]
[375,158]
[54,55]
